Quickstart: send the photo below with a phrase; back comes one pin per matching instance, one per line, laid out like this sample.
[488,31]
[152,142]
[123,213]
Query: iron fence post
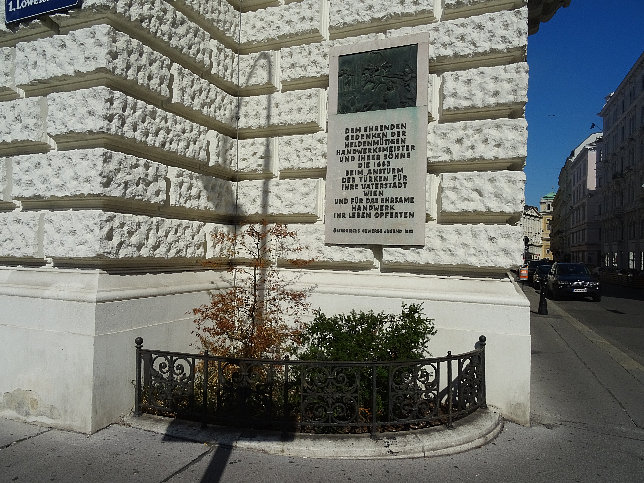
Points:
[220,380]
[459,385]
[373,398]
[137,391]
[482,395]
[301,384]
[390,402]
[449,390]
[285,392]
[206,377]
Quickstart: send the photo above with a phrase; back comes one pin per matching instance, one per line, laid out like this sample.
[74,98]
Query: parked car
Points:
[573,280]
[541,275]
[532,266]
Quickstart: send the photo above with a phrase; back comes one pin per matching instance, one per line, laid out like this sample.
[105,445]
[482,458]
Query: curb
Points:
[470,432]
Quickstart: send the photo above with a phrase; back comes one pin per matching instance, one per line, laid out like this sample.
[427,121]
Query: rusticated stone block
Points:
[219,13]
[485,87]
[96,234]
[462,8]
[471,38]
[344,15]
[5,178]
[23,120]
[101,110]
[283,109]
[305,61]
[211,228]
[88,50]
[222,151]
[480,246]
[243,155]
[257,155]
[482,192]
[163,21]
[303,152]
[19,234]
[254,70]
[477,140]
[294,19]
[200,192]
[7,67]
[258,70]
[191,91]
[88,172]
[482,34]
[279,197]
[451,4]
[432,187]
[224,62]
[311,238]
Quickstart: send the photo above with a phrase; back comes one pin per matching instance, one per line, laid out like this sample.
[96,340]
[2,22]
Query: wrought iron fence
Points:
[311,396]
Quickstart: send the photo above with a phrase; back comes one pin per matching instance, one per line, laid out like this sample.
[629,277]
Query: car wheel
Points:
[597,298]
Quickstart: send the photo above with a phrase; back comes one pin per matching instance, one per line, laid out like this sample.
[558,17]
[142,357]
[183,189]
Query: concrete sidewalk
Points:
[586,426]
[470,432]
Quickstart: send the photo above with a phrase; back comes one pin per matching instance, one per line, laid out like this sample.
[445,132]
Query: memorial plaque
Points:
[377,80]
[377,154]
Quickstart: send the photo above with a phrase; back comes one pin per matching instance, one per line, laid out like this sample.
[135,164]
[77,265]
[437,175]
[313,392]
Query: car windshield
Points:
[543,268]
[573,269]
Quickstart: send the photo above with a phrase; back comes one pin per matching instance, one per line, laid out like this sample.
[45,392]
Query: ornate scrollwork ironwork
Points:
[413,392]
[470,382]
[171,382]
[307,394]
[329,394]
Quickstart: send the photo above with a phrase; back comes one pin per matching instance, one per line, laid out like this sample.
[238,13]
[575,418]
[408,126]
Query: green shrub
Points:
[368,336]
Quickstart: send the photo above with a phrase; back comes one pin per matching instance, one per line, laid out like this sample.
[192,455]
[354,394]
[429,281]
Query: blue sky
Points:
[576,59]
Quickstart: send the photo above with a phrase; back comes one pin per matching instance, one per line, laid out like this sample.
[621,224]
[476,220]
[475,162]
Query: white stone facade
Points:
[129,128]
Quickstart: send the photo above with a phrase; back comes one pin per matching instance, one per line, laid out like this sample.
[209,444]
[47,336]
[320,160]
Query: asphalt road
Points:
[618,317]
[587,426]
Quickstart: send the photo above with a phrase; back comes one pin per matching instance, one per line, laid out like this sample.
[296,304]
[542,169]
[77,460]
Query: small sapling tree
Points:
[261,314]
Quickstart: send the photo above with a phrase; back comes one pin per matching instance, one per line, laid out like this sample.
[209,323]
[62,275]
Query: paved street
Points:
[618,318]
[587,413]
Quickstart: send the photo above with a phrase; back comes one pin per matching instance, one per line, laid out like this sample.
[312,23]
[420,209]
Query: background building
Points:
[531,224]
[131,129]
[576,231]
[545,210]
[621,174]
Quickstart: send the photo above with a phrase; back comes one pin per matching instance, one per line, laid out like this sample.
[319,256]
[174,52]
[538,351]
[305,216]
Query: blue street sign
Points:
[16,10]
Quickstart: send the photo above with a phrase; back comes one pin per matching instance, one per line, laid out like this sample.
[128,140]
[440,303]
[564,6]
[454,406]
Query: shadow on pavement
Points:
[217,464]
[223,438]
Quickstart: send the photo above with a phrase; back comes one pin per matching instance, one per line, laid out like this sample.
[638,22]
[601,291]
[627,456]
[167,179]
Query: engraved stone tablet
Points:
[377,146]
